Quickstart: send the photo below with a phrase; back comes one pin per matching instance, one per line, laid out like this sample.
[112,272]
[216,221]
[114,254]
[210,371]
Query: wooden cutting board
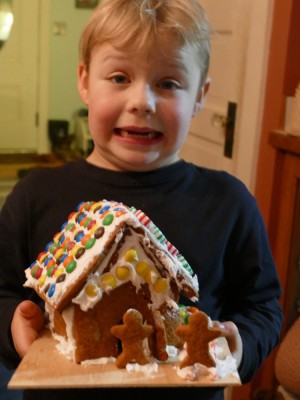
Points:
[44,367]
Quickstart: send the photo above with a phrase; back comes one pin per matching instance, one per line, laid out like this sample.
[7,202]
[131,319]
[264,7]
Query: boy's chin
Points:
[139,162]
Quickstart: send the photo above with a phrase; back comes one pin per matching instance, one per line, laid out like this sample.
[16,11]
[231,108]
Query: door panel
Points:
[206,141]
[18,80]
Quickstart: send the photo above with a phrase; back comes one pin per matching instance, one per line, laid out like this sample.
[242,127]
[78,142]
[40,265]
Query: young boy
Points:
[143,76]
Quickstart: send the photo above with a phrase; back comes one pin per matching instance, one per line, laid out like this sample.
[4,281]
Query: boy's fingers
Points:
[31,312]
[28,320]
[231,333]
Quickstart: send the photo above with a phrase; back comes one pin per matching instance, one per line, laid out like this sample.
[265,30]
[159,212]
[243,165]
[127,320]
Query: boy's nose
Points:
[142,100]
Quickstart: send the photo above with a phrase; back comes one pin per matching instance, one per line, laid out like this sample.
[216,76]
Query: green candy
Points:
[90,243]
[71,266]
[108,219]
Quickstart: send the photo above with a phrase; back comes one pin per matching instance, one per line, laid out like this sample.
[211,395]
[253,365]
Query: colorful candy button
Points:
[36,271]
[96,206]
[151,277]
[108,219]
[58,252]
[71,266]
[90,243]
[91,224]
[78,237]
[85,239]
[107,281]
[42,279]
[41,257]
[51,290]
[122,273]
[103,209]
[61,278]
[91,290]
[131,256]
[99,232]
[160,285]
[142,268]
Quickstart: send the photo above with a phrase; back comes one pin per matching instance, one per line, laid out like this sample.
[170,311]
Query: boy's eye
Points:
[169,85]
[119,79]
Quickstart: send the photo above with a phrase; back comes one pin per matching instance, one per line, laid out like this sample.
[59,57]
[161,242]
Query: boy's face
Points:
[140,104]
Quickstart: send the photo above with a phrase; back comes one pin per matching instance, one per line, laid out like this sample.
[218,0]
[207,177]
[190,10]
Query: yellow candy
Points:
[96,206]
[42,279]
[122,273]
[142,268]
[160,285]
[131,255]
[107,280]
[91,290]
[151,276]
[58,253]
[59,271]
[94,228]
[74,250]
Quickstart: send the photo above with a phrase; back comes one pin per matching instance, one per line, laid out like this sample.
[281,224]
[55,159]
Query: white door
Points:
[19,80]
[238,58]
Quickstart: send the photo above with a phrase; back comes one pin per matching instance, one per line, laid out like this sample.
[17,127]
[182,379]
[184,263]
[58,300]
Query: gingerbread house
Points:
[106,259]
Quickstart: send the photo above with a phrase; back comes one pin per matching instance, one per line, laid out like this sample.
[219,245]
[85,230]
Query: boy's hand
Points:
[27,322]
[231,333]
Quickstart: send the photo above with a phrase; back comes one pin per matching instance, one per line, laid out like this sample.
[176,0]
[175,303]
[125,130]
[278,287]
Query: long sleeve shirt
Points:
[209,216]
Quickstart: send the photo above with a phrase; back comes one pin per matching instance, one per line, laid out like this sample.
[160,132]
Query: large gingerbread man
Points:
[132,333]
[197,335]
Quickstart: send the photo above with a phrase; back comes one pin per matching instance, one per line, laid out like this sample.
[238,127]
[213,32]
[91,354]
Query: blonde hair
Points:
[144,22]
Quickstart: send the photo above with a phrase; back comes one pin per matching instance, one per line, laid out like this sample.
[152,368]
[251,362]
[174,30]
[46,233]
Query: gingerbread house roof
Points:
[101,246]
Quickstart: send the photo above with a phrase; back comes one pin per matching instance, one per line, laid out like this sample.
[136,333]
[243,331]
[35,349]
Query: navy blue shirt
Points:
[210,217]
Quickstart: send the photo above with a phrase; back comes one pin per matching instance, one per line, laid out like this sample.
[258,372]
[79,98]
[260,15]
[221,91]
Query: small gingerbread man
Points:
[132,333]
[197,335]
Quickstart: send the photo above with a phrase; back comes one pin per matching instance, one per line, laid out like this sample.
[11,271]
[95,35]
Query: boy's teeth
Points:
[150,135]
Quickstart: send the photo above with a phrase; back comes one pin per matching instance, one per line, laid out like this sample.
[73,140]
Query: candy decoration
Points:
[41,281]
[91,290]
[131,256]
[71,266]
[51,290]
[61,278]
[107,281]
[122,273]
[172,249]
[151,277]
[108,219]
[185,264]
[160,285]
[99,232]
[103,209]
[142,217]
[90,243]
[142,268]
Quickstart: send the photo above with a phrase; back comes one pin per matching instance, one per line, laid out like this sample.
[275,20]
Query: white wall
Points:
[63,99]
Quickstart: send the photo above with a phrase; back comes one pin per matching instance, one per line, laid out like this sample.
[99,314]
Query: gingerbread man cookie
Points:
[132,333]
[197,335]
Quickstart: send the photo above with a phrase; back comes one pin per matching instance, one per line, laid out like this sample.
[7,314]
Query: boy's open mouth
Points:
[138,134]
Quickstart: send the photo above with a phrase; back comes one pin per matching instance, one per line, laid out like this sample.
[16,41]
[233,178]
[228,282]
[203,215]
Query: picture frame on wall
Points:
[86,3]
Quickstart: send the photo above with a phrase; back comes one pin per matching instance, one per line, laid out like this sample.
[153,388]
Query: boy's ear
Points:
[200,101]
[82,83]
